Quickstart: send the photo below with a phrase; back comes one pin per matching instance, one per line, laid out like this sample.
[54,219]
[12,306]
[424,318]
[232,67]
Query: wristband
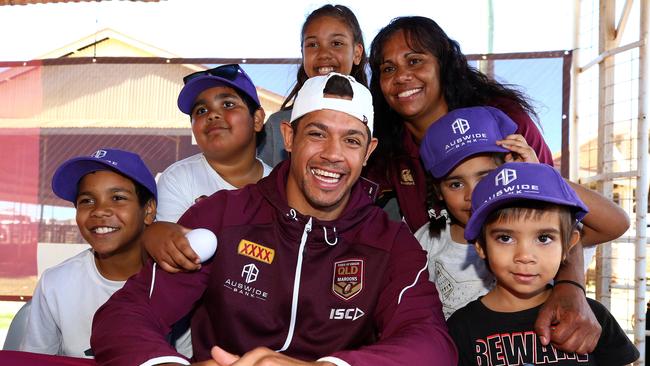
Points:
[574,283]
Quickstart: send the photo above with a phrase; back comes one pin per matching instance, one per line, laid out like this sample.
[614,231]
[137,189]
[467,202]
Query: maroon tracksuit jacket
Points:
[355,288]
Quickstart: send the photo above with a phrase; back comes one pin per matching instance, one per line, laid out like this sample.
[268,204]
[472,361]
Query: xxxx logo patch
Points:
[256,251]
[348,278]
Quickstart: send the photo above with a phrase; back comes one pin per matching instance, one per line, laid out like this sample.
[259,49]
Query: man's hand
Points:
[167,245]
[567,321]
[258,357]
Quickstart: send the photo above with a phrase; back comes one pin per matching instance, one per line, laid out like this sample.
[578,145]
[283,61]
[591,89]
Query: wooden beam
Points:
[622,22]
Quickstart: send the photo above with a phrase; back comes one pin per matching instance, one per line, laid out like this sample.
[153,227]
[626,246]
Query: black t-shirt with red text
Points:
[489,338]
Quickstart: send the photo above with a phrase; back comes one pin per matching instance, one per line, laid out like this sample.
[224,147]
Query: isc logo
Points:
[347,314]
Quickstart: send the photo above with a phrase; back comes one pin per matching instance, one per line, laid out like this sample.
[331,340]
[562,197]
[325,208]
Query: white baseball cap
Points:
[311,97]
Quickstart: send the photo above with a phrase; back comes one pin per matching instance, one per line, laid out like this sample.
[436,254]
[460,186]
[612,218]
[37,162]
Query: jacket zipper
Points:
[296,287]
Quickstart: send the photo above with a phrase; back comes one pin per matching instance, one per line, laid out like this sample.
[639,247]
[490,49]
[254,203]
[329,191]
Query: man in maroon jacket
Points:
[307,267]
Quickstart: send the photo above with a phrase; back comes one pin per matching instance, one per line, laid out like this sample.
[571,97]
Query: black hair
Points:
[461,84]
[260,135]
[339,86]
[144,195]
[437,222]
[345,15]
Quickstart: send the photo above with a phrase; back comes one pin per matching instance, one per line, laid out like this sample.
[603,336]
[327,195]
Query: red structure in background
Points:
[19,183]
[18,244]
[28,160]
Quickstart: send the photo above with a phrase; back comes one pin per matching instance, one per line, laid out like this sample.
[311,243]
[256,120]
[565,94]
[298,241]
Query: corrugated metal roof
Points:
[27,2]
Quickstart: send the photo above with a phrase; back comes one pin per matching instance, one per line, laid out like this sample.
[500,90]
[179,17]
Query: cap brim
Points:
[196,86]
[453,159]
[477,218]
[66,178]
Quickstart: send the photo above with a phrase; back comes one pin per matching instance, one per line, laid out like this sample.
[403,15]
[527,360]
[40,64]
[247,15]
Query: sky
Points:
[252,28]
[271,29]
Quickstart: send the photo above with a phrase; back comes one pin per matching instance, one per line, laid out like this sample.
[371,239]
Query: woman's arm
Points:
[605,221]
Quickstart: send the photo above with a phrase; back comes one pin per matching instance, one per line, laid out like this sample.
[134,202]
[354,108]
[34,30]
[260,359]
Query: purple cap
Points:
[66,179]
[462,133]
[231,75]
[515,182]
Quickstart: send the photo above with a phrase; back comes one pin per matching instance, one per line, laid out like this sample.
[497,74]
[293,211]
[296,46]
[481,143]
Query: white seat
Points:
[17,328]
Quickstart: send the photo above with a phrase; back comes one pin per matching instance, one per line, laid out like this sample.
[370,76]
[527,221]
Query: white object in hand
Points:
[203,242]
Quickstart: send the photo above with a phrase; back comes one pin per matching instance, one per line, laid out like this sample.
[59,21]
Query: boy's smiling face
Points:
[524,253]
[109,215]
[222,124]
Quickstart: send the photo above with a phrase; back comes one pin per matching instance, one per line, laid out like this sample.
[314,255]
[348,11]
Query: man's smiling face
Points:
[328,149]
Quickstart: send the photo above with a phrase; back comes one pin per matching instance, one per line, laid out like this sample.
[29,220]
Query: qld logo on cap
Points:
[505,177]
[460,125]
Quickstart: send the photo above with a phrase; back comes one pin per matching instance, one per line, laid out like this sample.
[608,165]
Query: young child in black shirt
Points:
[523,223]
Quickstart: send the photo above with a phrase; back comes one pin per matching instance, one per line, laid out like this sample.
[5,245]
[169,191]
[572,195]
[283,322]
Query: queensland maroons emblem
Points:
[406,178]
[347,281]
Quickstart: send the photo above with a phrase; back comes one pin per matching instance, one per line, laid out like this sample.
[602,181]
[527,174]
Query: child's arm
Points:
[42,334]
[167,245]
[520,150]
[605,221]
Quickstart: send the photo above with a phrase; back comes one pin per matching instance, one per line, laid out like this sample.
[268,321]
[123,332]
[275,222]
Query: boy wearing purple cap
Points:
[524,222]
[115,198]
[227,123]
[227,120]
